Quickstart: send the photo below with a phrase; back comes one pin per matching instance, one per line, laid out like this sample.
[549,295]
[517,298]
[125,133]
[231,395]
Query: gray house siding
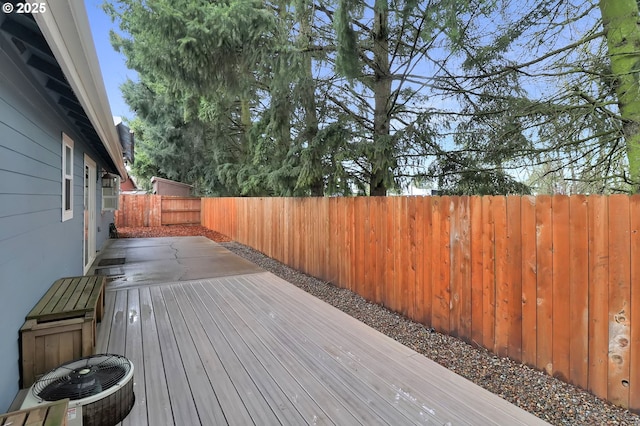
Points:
[36,247]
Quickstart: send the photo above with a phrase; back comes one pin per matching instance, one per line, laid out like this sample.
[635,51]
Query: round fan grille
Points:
[82,378]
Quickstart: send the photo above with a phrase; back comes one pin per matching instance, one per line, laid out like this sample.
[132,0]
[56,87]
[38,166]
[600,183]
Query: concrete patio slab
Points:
[168,259]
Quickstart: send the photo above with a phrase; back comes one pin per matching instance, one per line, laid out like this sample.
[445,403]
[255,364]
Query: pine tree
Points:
[235,66]
[541,89]
[380,48]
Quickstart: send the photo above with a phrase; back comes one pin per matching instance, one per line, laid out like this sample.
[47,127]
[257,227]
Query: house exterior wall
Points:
[36,247]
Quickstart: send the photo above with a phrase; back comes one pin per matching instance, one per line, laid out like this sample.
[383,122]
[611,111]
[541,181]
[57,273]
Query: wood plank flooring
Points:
[254,349]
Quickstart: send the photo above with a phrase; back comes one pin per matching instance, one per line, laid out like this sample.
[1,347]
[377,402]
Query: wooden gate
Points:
[180,211]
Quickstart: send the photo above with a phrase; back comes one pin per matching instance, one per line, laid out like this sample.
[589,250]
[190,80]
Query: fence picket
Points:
[465,269]
[544,284]
[634,346]
[358,244]
[456,267]
[502,298]
[326,238]
[382,230]
[437,320]
[476,271]
[598,294]
[560,292]
[444,289]
[419,256]
[579,275]
[390,256]
[529,273]
[410,278]
[351,249]
[488,275]
[514,275]
[427,276]
[619,300]
[344,243]
[368,251]
[402,258]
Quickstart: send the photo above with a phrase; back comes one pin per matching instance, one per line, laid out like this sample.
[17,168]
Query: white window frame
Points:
[111,196]
[67,176]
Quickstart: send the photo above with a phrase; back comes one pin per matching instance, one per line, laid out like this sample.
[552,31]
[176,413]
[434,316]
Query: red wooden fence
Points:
[157,210]
[551,281]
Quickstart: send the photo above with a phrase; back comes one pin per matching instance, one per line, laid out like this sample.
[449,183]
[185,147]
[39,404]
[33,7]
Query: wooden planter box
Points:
[62,326]
[48,345]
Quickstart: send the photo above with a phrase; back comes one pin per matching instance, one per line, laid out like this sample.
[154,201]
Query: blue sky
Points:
[112,63]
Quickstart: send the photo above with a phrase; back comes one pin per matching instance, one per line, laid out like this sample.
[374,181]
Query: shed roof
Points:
[173,182]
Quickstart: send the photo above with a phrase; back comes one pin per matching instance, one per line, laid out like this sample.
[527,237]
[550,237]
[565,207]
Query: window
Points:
[67,177]
[110,192]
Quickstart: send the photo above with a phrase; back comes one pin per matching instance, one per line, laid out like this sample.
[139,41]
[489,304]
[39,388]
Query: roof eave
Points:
[65,26]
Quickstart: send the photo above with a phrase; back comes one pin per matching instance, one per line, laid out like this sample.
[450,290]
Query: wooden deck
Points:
[254,349]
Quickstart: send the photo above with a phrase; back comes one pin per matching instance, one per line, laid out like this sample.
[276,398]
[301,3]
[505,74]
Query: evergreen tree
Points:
[334,97]
[238,67]
[541,89]
[391,52]
[168,146]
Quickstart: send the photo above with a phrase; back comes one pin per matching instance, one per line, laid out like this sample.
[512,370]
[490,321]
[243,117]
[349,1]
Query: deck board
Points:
[103,329]
[254,349]
[209,410]
[357,343]
[180,394]
[118,332]
[134,352]
[361,398]
[156,391]
[225,390]
[265,401]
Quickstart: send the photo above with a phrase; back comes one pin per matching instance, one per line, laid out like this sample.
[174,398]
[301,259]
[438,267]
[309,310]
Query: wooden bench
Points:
[62,325]
[51,414]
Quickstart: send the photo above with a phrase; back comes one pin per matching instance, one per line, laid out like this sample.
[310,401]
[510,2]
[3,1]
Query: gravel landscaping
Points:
[544,396]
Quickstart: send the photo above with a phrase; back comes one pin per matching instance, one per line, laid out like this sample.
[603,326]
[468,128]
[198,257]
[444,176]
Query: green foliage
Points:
[538,90]
[327,150]
[168,146]
[347,60]
[224,79]
[459,174]
[193,46]
[302,98]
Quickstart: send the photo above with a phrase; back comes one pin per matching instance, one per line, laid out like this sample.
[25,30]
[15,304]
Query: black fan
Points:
[101,384]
